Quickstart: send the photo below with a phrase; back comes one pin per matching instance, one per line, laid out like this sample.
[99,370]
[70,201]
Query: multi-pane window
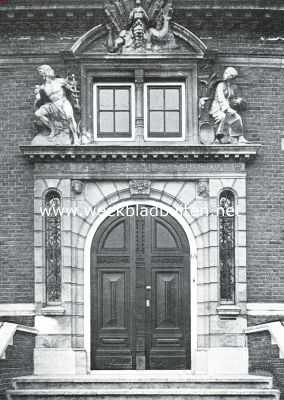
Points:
[53,247]
[164,111]
[114,111]
[227,246]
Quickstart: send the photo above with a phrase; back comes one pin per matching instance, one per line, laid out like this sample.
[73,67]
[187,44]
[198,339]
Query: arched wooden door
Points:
[140,292]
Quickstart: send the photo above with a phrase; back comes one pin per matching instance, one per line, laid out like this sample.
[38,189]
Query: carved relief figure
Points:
[160,36]
[225,108]
[139,30]
[138,21]
[54,110]
[203,188]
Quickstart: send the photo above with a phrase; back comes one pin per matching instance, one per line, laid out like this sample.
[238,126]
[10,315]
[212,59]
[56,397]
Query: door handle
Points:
[148,303]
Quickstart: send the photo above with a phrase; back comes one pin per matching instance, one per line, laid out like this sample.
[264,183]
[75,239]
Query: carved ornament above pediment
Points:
[138,28]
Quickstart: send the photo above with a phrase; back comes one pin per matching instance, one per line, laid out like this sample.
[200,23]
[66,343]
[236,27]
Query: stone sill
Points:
[146,152]
[228,311]
[53,310]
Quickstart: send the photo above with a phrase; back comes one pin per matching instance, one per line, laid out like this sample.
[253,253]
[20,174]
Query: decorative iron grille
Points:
[53,247]
[227,246]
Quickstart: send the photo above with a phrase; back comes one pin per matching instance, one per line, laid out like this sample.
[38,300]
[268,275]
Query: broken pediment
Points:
[136,29]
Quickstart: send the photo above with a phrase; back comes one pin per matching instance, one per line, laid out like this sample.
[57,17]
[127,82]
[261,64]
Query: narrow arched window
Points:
[227,246]
[53,247]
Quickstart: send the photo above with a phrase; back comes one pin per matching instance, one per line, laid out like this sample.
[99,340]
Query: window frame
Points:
[183,117]
[115,85]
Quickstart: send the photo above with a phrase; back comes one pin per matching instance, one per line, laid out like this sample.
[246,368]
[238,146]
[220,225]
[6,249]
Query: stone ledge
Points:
[53,310]
[17,309]
[229,311]
[150,152]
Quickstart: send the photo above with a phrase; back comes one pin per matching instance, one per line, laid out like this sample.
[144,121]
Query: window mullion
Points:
[114,113]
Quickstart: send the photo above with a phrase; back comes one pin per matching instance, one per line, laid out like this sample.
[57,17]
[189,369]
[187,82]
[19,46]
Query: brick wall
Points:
[16,227]
[263,356]
[19,357]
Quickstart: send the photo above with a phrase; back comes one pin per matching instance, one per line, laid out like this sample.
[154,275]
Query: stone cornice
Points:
[251,60]
[150,153]
[187,5]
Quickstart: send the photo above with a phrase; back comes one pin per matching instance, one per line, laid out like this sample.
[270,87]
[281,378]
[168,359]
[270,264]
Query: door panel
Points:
[168,321]
[140,306]
[113,296]
[167,305]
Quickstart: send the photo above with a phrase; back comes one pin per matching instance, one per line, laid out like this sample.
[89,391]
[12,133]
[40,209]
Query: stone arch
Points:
[192,243]
[89,40]
[120,194]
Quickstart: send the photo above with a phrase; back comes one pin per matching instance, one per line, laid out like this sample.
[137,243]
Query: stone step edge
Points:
[146,392]
[38,385]
[145,379]
[139,385]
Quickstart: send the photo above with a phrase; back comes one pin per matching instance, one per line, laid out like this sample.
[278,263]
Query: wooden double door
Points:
[140,292]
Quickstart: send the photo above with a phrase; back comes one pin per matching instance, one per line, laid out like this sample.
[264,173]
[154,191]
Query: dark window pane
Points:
[172,121]
[156,99]
[106,122]
[122,99]
[156,121]
[106,99]
[122,122]
[172,101]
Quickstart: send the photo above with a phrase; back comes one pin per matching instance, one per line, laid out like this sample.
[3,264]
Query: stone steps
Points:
[117,381]
[143,394]
[143,386]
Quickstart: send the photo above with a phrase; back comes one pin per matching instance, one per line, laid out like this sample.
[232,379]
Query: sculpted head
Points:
[230,73]
[123,34]
[46,71]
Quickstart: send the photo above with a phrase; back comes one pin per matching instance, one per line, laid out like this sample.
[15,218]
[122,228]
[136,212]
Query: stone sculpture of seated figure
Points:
[225,107]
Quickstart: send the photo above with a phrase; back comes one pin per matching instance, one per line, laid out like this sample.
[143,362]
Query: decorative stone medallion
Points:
[140,187]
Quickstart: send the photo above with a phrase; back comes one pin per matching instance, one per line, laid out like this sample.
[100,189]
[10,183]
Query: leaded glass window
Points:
[53,247]
[227,246]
